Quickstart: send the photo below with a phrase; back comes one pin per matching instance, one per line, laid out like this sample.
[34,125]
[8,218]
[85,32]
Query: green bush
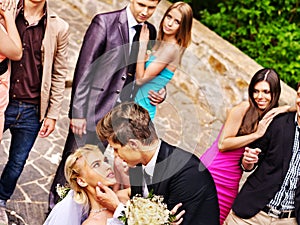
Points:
[267,31]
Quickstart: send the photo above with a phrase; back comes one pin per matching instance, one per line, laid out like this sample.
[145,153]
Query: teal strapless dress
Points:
[156,84]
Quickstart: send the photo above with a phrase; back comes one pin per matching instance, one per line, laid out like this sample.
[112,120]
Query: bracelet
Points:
[244,169]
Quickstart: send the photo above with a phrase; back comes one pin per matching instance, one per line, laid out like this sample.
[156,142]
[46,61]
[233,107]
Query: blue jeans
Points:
[22,119]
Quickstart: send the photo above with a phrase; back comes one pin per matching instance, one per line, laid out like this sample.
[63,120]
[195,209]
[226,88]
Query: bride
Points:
[84,170]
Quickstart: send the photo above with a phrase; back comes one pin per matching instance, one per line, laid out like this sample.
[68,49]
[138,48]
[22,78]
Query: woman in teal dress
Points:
[154,70]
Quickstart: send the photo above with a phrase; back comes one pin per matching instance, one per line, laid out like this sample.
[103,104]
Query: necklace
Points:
[33,19]
[97,210]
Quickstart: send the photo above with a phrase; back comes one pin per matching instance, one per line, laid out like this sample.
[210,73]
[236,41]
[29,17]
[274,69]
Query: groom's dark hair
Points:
[127,121]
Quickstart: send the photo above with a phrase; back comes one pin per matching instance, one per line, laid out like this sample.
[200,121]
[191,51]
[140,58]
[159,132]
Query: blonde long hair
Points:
[73,170]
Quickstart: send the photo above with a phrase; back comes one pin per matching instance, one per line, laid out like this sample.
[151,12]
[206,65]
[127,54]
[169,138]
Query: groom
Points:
[169,171]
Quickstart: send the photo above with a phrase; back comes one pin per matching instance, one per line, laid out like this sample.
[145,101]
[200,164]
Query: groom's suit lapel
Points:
[161,167]
[160,176]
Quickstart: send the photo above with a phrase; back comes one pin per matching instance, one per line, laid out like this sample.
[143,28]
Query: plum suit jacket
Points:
[101,69]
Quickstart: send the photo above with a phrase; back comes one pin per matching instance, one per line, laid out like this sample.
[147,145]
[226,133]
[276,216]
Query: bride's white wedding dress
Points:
[68,212]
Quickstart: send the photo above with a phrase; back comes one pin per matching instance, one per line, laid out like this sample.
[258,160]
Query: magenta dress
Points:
[226,172]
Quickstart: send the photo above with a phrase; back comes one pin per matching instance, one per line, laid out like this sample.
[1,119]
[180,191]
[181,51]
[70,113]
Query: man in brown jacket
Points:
[36,87]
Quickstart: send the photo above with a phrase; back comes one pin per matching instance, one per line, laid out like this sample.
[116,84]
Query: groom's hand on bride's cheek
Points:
[107,197]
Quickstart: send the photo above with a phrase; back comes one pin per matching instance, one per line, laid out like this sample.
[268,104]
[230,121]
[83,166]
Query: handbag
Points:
[3,66]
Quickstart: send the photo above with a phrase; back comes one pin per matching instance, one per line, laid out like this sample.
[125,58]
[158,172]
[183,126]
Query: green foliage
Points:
[268,31]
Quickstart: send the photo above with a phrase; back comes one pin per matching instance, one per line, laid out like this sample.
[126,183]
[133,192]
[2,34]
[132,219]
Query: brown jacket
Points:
[55,64]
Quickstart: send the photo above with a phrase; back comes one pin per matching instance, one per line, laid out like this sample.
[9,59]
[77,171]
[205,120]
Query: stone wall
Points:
[213,77]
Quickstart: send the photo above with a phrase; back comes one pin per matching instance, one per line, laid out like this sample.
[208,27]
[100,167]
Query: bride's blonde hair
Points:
[73,170]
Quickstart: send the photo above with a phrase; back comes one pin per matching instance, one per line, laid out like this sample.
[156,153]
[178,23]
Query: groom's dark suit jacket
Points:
[262,185]
[179,176]
[101,68]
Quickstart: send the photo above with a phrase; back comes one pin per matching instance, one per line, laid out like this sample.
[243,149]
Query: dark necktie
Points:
[148,181]
[127,91]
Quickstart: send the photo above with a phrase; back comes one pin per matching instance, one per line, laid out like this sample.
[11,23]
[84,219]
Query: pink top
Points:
[2,28]
[4,91]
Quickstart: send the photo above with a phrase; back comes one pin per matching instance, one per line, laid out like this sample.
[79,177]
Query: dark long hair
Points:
[253,114]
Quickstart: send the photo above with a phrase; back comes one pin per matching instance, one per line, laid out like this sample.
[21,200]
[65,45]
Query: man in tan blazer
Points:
[36,87]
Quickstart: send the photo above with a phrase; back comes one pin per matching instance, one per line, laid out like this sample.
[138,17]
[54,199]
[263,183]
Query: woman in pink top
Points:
[10,48]
[245,123]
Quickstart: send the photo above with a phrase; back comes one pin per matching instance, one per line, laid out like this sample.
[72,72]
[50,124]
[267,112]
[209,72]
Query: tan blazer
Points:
[55,65]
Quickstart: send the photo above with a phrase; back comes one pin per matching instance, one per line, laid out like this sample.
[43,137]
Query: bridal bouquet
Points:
[62,191]
[150,210]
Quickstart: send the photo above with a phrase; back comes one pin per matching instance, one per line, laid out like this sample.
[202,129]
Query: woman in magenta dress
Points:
[245,123]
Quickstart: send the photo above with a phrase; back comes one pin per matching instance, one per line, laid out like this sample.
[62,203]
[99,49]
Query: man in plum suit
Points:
[101,73]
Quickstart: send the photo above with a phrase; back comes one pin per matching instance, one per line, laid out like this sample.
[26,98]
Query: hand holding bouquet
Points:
[150,210]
